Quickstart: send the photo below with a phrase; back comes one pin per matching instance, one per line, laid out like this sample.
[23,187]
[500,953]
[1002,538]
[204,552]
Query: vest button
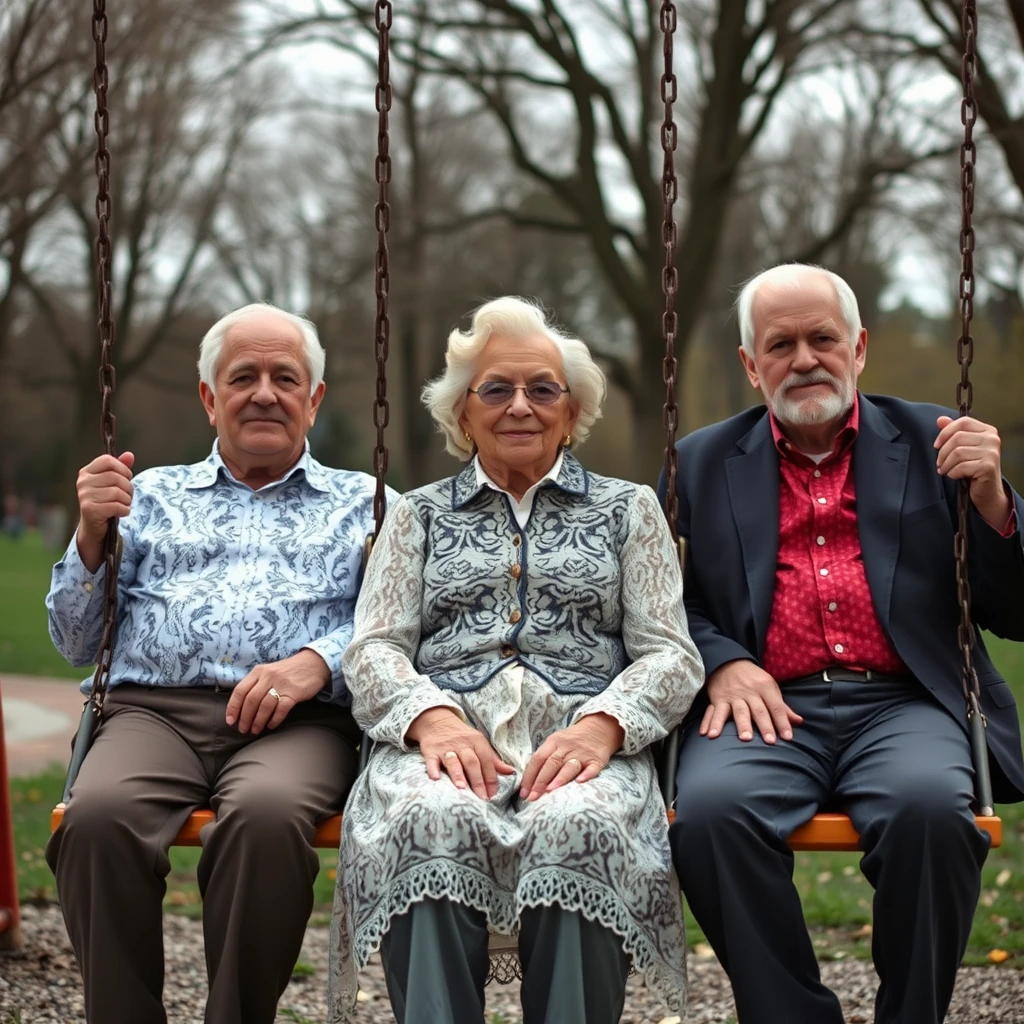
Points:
[507,651]
[516,571]
[517,540]
[515,616]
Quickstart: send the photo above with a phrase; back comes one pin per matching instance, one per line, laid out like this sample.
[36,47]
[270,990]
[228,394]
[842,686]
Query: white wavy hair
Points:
[213,341]
[510,317]
[789,274]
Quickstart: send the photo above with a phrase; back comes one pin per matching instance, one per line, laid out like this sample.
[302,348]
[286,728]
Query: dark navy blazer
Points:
[728,487]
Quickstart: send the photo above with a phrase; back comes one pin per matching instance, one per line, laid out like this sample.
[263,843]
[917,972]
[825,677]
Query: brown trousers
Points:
[159,754]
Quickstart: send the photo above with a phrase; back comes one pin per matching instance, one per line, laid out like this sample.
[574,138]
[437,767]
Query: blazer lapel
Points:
[880,476]
[753,480]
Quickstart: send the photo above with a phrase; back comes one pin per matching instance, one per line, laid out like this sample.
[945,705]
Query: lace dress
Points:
[592,620]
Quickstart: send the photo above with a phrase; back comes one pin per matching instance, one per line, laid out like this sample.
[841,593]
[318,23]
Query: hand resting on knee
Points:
[746,693]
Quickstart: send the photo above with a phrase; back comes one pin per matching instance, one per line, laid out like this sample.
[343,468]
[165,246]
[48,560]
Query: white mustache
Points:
[798,380]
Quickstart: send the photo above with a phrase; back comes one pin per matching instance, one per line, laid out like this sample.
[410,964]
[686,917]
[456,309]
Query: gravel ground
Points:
[41,983]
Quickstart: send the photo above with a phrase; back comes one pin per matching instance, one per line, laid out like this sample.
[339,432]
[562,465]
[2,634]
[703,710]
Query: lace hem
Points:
[444,879]
[600,904]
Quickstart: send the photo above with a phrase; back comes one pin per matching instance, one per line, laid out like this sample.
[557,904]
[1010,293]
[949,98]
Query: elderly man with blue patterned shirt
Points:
[237,588]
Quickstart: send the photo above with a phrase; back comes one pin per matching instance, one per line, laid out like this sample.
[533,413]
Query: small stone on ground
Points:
[42,984]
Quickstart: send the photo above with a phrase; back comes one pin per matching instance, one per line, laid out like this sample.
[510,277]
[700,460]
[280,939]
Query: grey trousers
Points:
[900,766]
[435,963]
[159,753]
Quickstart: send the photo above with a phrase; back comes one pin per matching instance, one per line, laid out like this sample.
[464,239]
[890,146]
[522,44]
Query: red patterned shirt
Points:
[822,613]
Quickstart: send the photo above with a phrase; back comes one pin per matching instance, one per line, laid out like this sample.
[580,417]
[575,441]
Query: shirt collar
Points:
[566,474]
[206,473]
[844,439]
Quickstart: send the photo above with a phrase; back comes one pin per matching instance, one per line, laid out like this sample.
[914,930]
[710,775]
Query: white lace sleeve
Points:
[650,697]
[388,694]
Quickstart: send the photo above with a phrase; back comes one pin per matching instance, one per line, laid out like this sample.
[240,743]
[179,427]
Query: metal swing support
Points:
[964,399]
[93,711]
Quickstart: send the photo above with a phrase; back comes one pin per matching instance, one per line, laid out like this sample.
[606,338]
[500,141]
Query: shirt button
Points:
[832,606]
[817,472]
[507,651]
[515,616]
[823,501]
[839,648]
[515,572]
[821,541]
[517,540]
[87,587]
[823,572]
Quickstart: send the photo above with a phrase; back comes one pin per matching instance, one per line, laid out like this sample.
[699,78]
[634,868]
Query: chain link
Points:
[382,221]
[105,323]
[669,276]
[965,344]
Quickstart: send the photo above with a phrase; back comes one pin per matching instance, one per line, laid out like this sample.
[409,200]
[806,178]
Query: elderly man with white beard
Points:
[820,591]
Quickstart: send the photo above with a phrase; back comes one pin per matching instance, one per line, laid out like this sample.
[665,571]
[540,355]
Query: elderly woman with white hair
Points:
[520,643]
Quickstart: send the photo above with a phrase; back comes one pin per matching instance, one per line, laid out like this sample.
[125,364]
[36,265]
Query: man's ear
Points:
[206,395]
[748,364]
[314,401]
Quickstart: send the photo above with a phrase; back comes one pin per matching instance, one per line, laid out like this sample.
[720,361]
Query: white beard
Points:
[814,410]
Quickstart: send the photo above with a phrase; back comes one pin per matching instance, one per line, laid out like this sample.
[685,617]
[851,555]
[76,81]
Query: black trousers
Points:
[435,963]
[900,766]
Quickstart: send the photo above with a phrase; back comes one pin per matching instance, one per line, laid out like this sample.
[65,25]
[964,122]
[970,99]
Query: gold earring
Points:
[468,436]
[568,441]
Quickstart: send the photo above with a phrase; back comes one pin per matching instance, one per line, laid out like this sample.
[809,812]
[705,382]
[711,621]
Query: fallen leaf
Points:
[178,898]
[362,997]
[671,1020]
[998,956]
[332,873]
[824,876]
[849,870]
[863,933]
[1003,877]
[703,950]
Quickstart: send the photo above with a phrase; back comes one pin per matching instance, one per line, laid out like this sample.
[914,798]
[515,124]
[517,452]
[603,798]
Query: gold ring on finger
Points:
[575,761]
[273,693]
[449,754]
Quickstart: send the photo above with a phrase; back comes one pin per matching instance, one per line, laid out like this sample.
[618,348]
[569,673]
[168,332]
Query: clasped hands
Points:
[578,753]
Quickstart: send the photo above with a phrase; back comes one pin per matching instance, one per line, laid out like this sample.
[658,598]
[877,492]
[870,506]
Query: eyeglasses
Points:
[540,392]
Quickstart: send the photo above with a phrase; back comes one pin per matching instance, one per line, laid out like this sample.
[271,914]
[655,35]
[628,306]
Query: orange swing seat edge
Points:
[823,832]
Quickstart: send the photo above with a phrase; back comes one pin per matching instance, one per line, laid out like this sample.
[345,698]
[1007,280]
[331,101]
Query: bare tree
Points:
[572,91]
[176,132]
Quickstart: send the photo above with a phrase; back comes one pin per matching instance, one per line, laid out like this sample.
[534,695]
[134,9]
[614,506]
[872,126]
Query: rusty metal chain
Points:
[105,324]
[669,276]
[965,344]
[382,221]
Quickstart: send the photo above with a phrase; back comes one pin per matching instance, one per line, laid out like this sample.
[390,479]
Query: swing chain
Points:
[107,376]
[669,276]
[382,221]
[965,344]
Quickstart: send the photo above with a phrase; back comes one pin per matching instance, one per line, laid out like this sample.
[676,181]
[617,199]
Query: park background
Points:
[526,159]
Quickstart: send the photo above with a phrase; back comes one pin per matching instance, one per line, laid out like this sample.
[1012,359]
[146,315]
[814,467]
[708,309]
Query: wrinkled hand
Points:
[743,691]
[447,742]
[579,752]
[970,450]
[104,491]
[298,678]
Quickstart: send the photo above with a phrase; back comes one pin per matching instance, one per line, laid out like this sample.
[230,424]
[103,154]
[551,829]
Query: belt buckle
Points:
[825,676]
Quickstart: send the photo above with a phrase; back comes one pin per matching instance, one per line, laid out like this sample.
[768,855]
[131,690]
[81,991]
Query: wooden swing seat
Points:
[822,832]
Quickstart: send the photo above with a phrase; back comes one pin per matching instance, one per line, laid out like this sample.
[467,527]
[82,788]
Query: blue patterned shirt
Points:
[217,578]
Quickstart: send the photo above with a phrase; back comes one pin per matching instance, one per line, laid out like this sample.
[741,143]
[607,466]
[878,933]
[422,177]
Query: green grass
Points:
[837,900]
[25,646]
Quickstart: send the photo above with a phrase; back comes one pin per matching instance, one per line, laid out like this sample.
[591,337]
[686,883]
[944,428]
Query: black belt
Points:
[837,674]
